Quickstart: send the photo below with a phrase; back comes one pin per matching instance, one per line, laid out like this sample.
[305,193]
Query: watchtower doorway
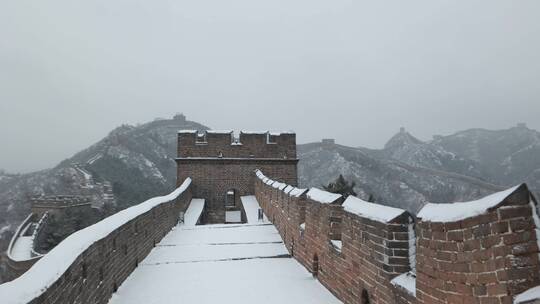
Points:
[233,213]
[230,198]
[315,266]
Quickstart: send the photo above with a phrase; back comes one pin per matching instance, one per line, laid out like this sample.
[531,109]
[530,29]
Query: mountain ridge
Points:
[137,162]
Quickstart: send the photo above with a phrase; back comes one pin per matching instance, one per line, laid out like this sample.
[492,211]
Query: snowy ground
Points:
[194,211]
[251,206]
[241,264]
[22,249]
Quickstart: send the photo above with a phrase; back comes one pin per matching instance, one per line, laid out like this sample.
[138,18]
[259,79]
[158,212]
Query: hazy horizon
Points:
[71,71]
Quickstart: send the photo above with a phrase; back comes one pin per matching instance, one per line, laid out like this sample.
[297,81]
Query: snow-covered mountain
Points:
[390,181]
[408,172]
[130,165]
[503,156]
[134,163]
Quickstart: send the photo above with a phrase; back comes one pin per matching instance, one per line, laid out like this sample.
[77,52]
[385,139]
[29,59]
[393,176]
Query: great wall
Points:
[484,251]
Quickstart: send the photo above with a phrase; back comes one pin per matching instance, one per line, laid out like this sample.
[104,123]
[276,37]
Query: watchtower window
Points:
[315,266]
[271,138]
[365,297]
[201,138]
[230,198]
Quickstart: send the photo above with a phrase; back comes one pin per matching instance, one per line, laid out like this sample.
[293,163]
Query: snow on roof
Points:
[297,192]
[528,296]
[406,281]
[293,191]
[266,132]
[462,210]
[254,132]
[51,266]
[322,196]
[259,174]
[188,131]
[376,212]
[288,189]
[277,185]
[219,131]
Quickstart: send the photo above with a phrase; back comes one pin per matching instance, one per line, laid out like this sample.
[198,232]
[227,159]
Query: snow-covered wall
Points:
[353,247]
[18,262]
[480,251]
[89,265]
[484,251]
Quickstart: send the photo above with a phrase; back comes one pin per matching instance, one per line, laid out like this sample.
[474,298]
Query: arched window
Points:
[365,297]
[315,266]
[230,198]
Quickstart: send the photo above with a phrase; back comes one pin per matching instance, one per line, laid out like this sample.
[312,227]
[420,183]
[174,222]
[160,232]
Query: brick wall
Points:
[99,270]
[219,164]
[489,258]
[249,145]
[372,252]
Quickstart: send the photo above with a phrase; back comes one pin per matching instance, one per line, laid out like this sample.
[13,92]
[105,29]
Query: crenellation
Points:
[224,164]
[488,257]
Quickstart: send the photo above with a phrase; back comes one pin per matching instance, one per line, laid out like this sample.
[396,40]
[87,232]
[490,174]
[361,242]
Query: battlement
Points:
[59,203]
[483,251]
[226,144]
[60,200]
[221,164]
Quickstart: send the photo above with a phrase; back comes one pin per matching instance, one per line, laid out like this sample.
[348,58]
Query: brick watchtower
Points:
[222,166]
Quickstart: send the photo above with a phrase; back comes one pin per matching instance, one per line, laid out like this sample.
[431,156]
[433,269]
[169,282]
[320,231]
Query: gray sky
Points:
[72,70]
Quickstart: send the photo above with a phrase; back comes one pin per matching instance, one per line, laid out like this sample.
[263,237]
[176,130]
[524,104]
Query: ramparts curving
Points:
[89,265]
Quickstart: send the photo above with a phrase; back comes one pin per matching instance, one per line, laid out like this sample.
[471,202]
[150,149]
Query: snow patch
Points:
[252,207]
[376,212]
[321,196]
[406,281]
[194,211]
[338,245]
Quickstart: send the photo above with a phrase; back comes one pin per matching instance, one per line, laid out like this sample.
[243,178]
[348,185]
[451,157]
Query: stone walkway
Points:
[222,264]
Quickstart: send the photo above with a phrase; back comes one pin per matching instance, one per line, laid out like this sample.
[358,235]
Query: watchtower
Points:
[222,165]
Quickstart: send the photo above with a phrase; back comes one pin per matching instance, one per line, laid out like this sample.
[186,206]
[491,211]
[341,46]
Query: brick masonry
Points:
[99,270]
[489,258]
[218,163]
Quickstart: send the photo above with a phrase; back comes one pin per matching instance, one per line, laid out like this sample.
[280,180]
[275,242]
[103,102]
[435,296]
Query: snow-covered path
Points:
[251,206]
[241,264]
[194,211]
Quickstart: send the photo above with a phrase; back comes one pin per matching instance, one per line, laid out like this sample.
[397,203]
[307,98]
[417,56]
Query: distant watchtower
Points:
[222,166]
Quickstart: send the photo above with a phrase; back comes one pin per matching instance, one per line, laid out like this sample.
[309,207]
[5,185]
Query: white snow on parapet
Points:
[251,206]
[297,192]
[288,189]
[322,196]
[50,268]
[528,296]
[463,210]
[406,281]
[376,212]
[219,131]
[194,212]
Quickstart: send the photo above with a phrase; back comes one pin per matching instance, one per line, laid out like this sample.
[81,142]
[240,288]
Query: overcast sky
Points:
[72,70]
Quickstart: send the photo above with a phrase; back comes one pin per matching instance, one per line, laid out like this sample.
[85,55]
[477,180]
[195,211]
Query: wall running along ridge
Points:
[89,265]
[16,267]
[364,254]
